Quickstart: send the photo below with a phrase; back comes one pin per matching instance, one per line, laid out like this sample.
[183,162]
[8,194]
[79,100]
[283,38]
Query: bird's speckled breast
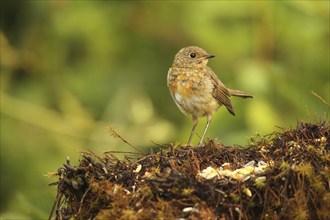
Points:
[191,90]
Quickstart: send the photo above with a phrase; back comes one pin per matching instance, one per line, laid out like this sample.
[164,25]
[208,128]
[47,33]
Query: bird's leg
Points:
[195,122]
[209,118]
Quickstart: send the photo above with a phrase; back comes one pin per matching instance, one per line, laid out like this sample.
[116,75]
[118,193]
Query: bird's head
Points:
[191,56]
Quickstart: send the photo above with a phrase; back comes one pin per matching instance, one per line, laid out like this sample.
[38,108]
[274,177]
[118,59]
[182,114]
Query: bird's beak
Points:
[208,56]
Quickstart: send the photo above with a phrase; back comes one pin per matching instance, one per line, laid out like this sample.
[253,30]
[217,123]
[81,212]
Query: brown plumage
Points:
[196,89]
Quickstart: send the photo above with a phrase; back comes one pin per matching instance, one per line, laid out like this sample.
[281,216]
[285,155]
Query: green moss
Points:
[167,184]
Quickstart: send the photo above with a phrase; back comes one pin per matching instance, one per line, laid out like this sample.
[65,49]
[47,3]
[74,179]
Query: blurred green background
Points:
[69,68]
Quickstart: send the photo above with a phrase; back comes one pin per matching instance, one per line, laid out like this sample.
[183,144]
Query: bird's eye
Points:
[192,55]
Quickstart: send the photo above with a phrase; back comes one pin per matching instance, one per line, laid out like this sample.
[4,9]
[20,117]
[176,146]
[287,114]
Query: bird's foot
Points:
[200,145]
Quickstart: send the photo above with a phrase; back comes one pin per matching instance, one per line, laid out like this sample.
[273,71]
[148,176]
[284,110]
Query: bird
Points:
[196,89]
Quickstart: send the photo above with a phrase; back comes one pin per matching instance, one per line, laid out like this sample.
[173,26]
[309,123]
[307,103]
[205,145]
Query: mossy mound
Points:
[171,184]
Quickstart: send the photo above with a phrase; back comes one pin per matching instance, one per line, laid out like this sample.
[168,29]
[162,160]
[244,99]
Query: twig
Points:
[119,152]
[159,145]
[56,202]
[82,200]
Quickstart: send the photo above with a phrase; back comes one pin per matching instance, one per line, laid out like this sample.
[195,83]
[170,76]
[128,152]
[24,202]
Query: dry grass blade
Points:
[322,99]
[115,134]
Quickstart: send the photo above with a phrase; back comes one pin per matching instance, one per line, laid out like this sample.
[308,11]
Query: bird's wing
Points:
[220,92]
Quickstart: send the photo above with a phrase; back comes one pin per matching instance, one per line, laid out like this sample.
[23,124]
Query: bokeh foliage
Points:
[68,68]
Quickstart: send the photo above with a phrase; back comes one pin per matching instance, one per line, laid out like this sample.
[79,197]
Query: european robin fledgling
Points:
[196,89]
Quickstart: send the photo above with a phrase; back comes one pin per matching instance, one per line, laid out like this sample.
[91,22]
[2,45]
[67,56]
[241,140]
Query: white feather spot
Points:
[178,97]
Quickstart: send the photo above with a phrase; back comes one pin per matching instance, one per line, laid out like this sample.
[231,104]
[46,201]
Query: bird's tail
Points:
[238,93]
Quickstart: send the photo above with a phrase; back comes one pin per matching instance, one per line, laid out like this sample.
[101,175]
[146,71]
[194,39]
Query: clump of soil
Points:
[170,184]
